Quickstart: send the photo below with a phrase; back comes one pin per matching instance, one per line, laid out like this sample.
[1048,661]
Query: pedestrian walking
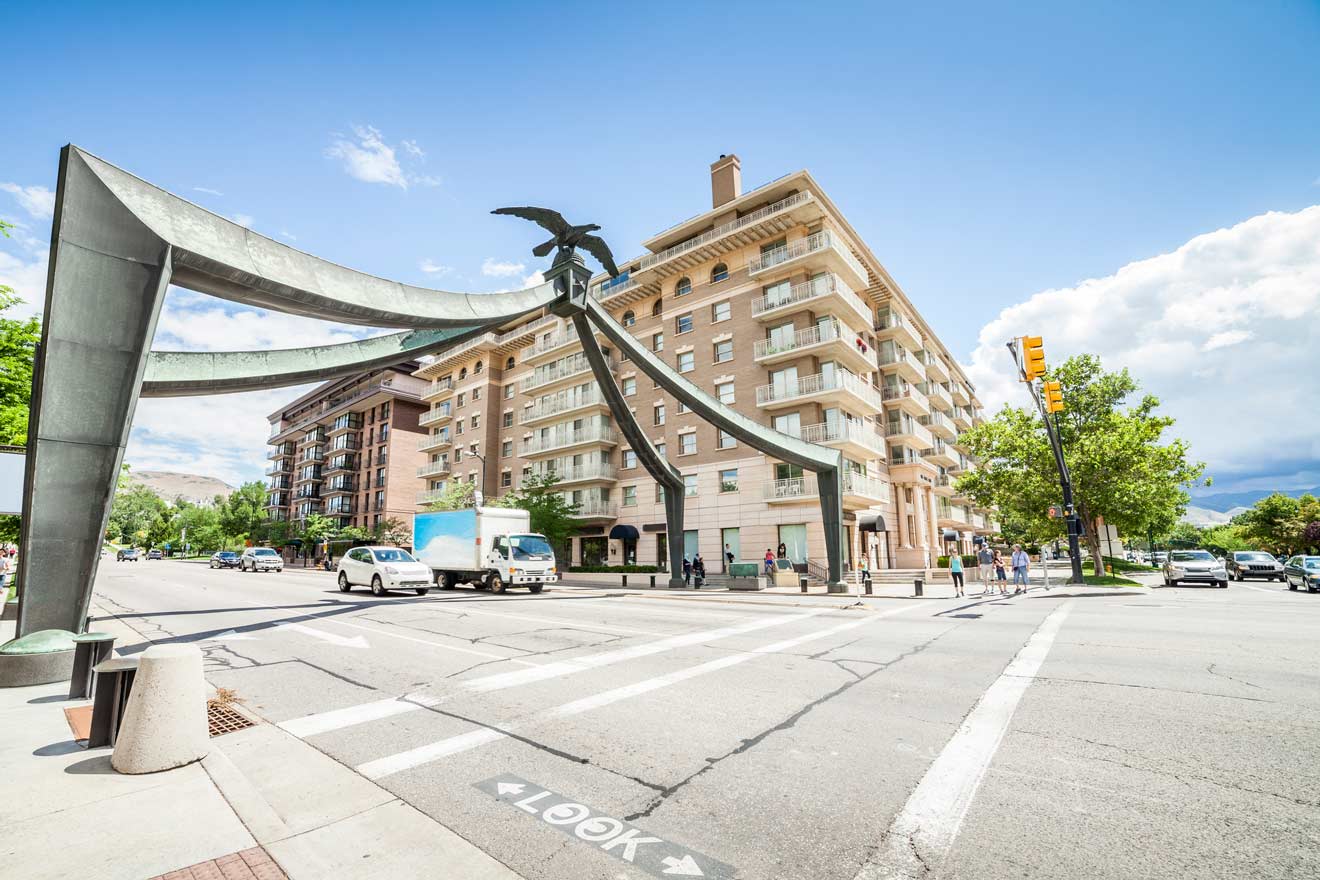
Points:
[1020,561]
[985,565]
[728,557]
[769,561]
[699,570]
[956,570]
[1001,576]
[5,568]
[687,571]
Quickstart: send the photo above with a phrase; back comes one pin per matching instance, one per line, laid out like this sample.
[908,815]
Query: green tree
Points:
[1184,534]
[137,515]
[18,350]
[316,528]
[457,495]
[1121,470]
[551,513]
[1279,522]
[1224,539]
[243,514]
[392,530]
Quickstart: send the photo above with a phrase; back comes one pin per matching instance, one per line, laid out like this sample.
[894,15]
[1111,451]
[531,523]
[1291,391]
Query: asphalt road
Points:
[1092,733]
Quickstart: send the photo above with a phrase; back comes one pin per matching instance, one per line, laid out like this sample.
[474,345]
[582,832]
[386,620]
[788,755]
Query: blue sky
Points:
[986,153]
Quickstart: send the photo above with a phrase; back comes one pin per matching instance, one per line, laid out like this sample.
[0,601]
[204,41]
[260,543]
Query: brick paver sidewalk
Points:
[250,864]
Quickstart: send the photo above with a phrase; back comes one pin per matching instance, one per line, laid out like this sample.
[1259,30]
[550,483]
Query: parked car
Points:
[154,554]
[1159,557]
[260,559]
[225,559]
[1253,563]
[128,554]
[383,568]
[1187,566]
[1303,572]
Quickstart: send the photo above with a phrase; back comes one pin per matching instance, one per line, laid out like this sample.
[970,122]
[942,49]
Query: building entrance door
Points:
[662,552]
[730,544]
[794,539]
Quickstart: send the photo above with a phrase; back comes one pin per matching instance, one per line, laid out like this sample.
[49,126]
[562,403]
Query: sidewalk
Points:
[260,795]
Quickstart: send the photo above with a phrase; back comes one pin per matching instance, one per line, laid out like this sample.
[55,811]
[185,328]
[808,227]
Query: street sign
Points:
[1055,511]
[658,857]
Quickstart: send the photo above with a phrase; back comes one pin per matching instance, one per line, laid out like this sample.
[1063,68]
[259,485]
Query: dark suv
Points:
[1253,564]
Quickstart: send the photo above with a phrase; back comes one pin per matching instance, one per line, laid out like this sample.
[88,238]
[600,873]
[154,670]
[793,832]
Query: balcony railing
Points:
[583,472]
[434,441]
[550,343]
[281,449]
[279,466]
[892,355]
[561,369]
[815,243]
[719,232]
[561,439]
[596,508]
[807,291]
[439,386]
[434,415]
[838,380]
[938,421]
[563,402]
[311,455]
[829,331]
[434,468]
[845,430]
[909,428]
[431,495]
[805,487]
[894,394]
[892,320]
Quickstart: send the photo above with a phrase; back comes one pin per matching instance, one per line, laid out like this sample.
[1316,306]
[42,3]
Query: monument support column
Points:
[829,485]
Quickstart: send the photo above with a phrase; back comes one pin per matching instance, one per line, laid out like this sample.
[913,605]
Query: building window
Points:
[462,374]
[729,480]
[683,408]
[462,399]
[458,427]
[506,449]
[507,421]
[657,342]
[659,494]
[629,387]
[690,485]
[727,440]
[506,479]
[687,444]
[721,311]
[724,351]
[476,394]
[660,449]
[458,454]
[508,392]
[658,307]
[683,323]
[719,273]
[508,364]
[629,496]
[687,361]
[478,368]
[658,414]
[385,411]
[683,287]
[476,421]
[629,318]
[724,391]
[629,458]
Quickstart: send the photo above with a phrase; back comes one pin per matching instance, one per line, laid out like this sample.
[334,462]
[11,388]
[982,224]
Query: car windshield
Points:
[392,554]
[1192,556]
[1253,557]
[530,547]
[227,554]
[1311,562]
[264,551]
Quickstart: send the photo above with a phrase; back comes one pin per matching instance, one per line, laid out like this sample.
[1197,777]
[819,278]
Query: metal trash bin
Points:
[90,649]
[919,585]
[114,682]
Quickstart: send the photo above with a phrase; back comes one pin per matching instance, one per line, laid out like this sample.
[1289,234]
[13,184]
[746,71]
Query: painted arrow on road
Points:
[341,641]
[684,867]
[510,788]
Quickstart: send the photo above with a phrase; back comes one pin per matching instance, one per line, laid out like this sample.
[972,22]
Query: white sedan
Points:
[383,568]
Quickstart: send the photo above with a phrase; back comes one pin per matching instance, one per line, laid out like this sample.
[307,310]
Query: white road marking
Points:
[441,645]
[1259,589]
[453,745]
[341,641]
[558,621]
[928,823]
[335,719]
[230,636]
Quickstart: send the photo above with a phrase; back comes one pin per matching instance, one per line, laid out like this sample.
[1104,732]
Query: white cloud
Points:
[410,147]
[27,276]
[207,190]
[36,200]
[284,233]
[496,269]
[534,279]
[431,267]
[1178,321]
[244,220]
[368,158]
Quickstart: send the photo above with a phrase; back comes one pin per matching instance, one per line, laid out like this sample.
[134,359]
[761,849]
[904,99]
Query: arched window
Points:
[508,365]
[657,307]
[719,273]
[462,374]
[683,287]
[479,367]
[629,318]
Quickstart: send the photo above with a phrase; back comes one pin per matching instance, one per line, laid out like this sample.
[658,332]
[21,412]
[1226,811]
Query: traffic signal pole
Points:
[1056,446]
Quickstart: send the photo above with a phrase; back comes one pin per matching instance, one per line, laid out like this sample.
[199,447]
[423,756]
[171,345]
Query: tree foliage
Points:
[137,516]
[243,513]
[392,530]
[551,513]
[1122,469]
[1282,524]
[457,495]
[18,350]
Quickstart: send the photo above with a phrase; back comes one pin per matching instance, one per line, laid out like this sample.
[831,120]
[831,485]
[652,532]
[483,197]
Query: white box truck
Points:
[489,546]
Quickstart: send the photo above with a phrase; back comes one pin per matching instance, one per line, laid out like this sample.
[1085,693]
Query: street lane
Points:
[1165,732]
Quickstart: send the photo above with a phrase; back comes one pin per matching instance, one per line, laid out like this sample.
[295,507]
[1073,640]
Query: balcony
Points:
[830,340]
[557,344]
[906,465]
[280,466]
[562,403]
[949,517]
[596,435]
[823,248]
[340,463]
[277,499]
[281,449]
[908,432]
[307,492]
[894,358]
[435,416]
[944,486]
[939,424]
[937,396]
[316,436]
[439,389]
[596,508]
[826,295]
[434,468]
[858,490]
[906,399]
[279,483]
[962,419]
[858,439]
[961,397]
[430,496]
[312,454]
[598,472]
[562,370]
[345,443]
[338,487]
[838,386]
[935,366]
[940,454]
[434,441]
[682,252]
[339,506]
[895,325]
[960,466]
[346,422]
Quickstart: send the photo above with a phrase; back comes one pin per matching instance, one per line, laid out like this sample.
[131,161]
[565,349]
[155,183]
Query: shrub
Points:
[613,569]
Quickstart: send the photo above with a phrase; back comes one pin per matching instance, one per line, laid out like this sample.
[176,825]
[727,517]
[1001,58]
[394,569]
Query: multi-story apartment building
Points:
[771,302]
[348,450]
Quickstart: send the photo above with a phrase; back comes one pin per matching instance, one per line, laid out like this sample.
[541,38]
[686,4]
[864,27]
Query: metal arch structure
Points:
[118,242]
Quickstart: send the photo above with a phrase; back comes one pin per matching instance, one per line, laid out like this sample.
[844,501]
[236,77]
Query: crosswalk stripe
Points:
[391,764]
[335,719]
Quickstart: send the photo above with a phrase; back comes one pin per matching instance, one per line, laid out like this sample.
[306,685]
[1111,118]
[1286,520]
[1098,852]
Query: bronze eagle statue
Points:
[566,236]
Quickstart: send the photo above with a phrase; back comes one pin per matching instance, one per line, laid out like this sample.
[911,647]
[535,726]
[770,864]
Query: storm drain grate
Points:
[221,719]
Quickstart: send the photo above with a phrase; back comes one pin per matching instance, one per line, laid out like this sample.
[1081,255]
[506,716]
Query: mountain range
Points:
[171,485]
[1226,501]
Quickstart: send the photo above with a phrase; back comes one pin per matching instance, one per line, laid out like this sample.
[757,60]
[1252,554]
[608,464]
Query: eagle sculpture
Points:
[566,237]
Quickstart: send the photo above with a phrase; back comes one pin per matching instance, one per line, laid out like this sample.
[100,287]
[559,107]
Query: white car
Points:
[1187,566]
[260,559]
[383,569]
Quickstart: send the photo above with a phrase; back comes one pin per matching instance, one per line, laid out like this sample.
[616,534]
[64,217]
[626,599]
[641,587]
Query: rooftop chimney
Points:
[725,180]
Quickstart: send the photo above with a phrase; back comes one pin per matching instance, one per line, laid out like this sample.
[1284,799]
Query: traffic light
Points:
[1033,358]
[1053,396]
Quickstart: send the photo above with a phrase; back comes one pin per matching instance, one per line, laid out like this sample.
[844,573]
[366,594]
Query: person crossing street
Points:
[1020,562]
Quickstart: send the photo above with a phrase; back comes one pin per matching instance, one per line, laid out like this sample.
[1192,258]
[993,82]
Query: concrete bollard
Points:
[653,582]
[919,586]
[164,724]
[867,583]
[802,583]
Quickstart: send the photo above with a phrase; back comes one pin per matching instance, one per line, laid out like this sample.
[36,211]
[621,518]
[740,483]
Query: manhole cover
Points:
[221,719]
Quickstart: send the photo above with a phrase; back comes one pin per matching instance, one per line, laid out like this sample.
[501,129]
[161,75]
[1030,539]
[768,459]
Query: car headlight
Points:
[389,569]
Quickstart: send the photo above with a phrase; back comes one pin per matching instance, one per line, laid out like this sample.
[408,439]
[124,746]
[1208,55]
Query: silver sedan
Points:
[1194,566]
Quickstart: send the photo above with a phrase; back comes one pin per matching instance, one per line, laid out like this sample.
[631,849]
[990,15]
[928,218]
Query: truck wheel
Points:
[377,588]
[496,584]
[536,588]
[444,580]
[344,585]
[422,591]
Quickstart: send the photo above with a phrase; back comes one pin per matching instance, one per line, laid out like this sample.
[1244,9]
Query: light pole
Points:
[479,494]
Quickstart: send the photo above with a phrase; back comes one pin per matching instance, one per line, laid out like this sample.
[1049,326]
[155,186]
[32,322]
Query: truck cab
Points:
[521,560]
